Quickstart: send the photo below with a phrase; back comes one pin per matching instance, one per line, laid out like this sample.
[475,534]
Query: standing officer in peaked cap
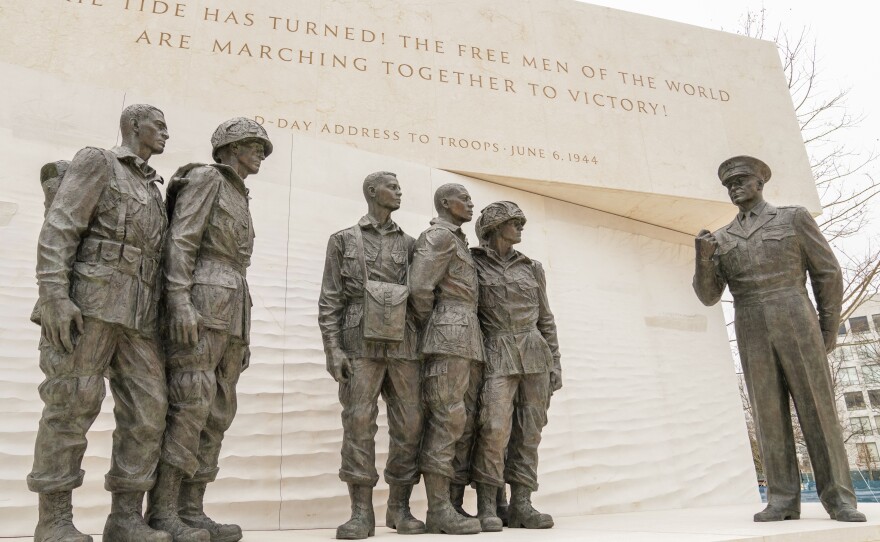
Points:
[764,256]
[208,307]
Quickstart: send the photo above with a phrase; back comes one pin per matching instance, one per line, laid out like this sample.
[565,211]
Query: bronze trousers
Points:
[783,354]
[398,381]
[202,402]
[513,411]
[72,394]
[451,390]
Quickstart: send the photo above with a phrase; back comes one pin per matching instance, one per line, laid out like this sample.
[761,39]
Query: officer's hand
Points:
[830,338]
[555,380]
[338,365]
[58,316]
[705,244]
[184,324]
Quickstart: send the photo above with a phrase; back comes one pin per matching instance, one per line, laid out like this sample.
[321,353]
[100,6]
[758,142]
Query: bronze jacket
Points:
[101,240]
[388,251]
[443,292]
[209,246]
[771,260]
[519,332]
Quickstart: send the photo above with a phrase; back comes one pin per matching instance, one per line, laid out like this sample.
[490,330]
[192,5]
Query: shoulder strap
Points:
[359,239]
[121,218]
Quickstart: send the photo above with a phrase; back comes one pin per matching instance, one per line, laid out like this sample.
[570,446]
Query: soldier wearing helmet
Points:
[522,368]
[207,324]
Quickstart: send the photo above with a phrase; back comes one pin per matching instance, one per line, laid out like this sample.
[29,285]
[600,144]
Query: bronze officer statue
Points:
[764,256]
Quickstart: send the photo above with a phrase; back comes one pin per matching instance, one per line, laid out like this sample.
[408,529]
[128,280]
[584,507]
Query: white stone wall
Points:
[649,417]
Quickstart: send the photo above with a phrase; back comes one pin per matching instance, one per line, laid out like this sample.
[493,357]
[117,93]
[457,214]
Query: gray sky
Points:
[846,33]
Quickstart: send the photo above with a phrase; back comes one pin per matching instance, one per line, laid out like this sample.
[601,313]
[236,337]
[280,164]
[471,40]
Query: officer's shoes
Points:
[777,513]
[848,513]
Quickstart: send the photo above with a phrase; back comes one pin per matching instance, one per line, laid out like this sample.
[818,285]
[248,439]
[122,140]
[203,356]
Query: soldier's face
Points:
[511,231]
[250,155]
[744,190]
[153,132]
[387,193]
[460,206]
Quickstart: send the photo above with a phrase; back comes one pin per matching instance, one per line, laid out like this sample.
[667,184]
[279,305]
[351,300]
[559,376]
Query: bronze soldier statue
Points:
[443,299]
[97,263]
[522,369]
[764,256]
[208,305]
[365,368]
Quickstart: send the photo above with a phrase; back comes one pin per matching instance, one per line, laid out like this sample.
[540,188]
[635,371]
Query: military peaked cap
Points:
[743,165]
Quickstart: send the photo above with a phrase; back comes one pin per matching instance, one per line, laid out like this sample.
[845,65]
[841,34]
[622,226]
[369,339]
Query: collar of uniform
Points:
[367,221]
[443,223]
[124,154]
[757,210]
[456,230]
[490,253]
[232,176]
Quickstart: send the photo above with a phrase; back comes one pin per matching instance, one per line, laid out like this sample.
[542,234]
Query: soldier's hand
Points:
[184,324]
[338,365]
[246,359]
[58,316]
[830,338]
[705,244]
[555,380]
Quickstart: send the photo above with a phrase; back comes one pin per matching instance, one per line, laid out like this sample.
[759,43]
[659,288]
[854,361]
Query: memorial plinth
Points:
[512,99]
[716,524]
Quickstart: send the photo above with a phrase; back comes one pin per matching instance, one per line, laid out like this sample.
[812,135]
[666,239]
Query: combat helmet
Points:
[239,129]
[496,214]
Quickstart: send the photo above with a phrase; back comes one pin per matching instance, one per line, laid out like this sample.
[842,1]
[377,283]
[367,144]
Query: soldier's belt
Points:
[454,304]
[126,259]
[756,298]
[508,332]
[228,262]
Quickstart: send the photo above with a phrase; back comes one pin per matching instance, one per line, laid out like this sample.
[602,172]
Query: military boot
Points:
[162,511]
[521,514]
[442,517]
[363,521]
[56,520]
[501,506]
[456,495]
[398,516]
[126,522]
[486,503]
[191,508]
